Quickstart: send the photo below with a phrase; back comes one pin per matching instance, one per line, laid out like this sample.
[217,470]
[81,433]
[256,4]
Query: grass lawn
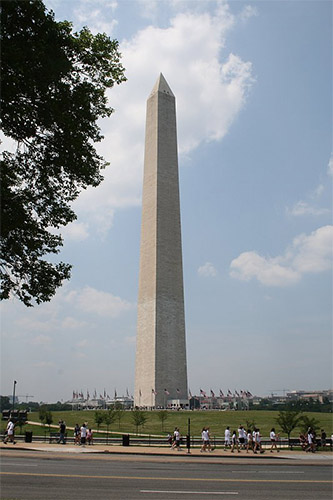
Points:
[216,420]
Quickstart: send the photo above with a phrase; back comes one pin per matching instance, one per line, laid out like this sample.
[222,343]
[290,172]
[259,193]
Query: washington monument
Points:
[161,371]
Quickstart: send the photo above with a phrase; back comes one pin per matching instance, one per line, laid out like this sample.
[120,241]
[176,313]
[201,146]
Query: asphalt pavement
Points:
[51,471]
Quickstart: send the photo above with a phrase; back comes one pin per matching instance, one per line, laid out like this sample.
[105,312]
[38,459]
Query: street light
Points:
[14,395]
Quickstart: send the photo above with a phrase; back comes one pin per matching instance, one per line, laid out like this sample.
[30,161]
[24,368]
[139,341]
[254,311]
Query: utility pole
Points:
[14,395]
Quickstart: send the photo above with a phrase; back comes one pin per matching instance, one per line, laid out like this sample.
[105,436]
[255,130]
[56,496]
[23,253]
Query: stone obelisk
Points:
[161,371]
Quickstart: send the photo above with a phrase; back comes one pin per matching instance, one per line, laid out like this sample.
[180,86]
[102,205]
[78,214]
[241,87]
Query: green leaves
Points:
[54,86]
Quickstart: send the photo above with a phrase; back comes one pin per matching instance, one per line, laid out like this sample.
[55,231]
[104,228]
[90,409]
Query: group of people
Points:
[248,440]
[83,435]
[174,440]
[308,441]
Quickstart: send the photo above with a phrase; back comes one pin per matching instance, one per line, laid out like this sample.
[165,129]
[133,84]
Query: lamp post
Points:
[14,395]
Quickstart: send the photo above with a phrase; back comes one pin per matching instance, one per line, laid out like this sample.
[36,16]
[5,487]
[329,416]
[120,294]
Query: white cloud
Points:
[77,231]
[307,254]
[210,89]
[97,14]
[247,12]
[207,270]
[83,343]
[70,323]
[97,302]
[303,208]
[42,340]
[330,166]
[44,364]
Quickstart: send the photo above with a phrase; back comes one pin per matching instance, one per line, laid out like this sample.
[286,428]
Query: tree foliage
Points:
[54,85]
[163,416]
[99,418]
[139,419]
[288,420]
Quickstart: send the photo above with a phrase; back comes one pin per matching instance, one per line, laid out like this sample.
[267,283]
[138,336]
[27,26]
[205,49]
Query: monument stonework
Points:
[161,370]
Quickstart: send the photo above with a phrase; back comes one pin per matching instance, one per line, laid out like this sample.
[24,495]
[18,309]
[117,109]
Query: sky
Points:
[252,82]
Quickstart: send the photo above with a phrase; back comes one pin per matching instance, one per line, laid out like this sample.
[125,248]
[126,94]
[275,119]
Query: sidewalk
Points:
[321,456]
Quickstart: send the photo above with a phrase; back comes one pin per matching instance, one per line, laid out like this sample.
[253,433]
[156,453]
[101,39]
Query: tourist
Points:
[83,432]
[62,432]
[77,434]
[10,432]
[311,441]
[273,438]
[249,444]
[227,438]
[90,436]
[257,442]
[323,438]
[205,439]
[234,442]
[241,436]
[176,439]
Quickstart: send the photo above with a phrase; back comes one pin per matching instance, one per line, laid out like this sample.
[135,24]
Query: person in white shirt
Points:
[241,436]
[83,434]
[176,439]
[227,438]
[10,432]
[273,438]
[249,444]
[234,442]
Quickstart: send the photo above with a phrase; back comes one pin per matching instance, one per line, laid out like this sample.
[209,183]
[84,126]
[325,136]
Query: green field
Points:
[216,420]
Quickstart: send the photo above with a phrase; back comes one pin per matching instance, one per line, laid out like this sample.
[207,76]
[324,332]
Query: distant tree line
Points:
[308,405]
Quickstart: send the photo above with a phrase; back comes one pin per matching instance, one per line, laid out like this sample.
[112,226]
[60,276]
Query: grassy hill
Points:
[216,420]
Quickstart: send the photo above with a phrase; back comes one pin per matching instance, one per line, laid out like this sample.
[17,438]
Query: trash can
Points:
[28,436]
[126,440]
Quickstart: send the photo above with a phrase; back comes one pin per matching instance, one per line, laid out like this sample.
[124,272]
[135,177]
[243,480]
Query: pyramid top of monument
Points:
[161,85]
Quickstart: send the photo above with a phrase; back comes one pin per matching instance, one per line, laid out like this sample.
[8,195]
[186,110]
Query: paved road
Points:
[30,476]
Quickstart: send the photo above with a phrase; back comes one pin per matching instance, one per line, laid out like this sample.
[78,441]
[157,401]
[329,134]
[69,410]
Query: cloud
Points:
[207,270]
[247,12]
[77,231]
[303,208]
[42,340]
[330,166]
[96,14]
[210,85]
[97,302]
[70,323]
[307,254]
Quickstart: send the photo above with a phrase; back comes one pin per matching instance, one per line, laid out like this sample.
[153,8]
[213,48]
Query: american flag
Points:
[212,393]
[221,393]
[190,393]
[140,393]
[178,391]
[203,393]
[154,392]
[166,391]
[229,392]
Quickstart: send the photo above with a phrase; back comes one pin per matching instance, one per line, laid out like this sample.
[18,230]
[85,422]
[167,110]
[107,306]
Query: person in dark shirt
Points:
[62,432]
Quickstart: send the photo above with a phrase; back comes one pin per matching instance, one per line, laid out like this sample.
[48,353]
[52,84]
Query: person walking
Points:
[176,439]
[234,442]
[249,444]
[241,436]
[62,432]
[273,438]
[227,438]
[77,434]
[10,432]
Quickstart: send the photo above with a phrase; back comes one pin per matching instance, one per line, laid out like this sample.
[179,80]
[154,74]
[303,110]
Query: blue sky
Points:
[253,84]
